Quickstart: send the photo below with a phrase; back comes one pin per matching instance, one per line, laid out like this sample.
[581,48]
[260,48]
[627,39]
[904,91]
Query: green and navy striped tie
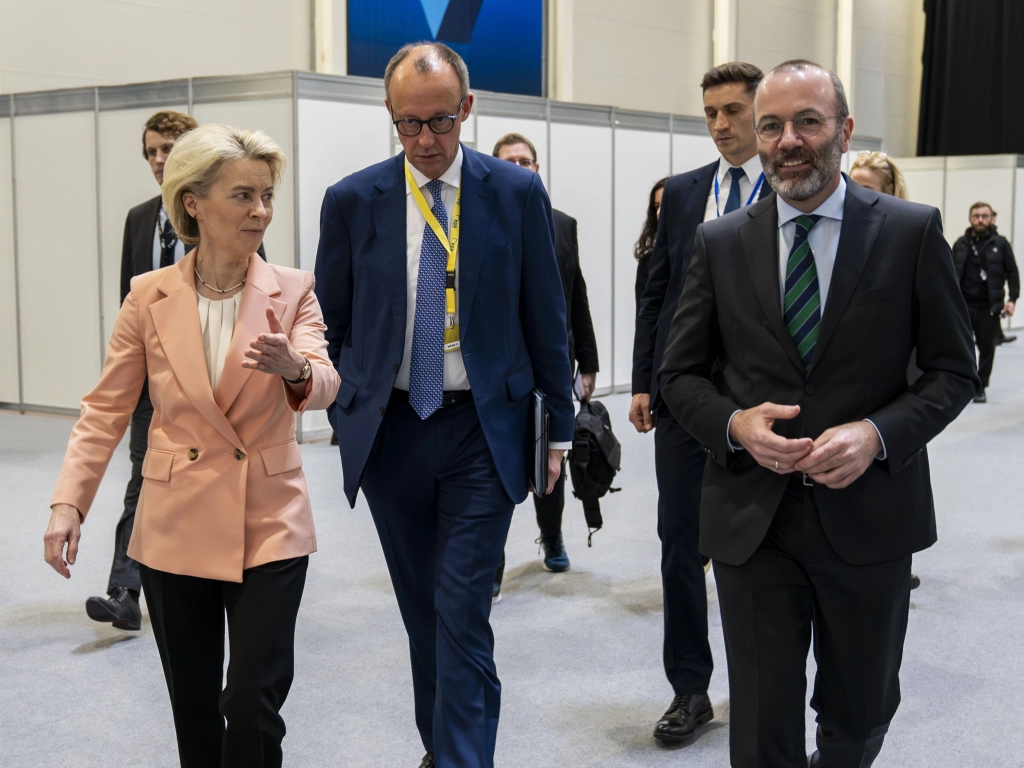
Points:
[802,303]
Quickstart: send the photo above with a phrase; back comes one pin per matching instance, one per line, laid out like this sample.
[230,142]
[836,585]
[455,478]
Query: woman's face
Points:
[657,201]
[869,178]
[238,210]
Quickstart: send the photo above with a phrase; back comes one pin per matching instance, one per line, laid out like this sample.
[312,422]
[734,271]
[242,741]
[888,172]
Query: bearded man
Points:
[817,491]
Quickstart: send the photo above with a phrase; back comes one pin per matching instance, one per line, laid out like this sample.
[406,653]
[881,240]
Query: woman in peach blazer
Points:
[233,348]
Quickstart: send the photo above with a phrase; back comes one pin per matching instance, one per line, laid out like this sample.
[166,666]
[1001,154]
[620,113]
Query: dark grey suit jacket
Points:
[893,289]
[580,326]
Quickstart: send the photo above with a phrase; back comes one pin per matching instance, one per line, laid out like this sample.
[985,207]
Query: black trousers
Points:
[549,508]
[124,572]
[679,466]
[188,621]
[795,583]
[985,326]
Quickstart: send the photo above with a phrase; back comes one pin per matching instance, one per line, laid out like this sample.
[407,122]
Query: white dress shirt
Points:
[455,376]
[179,247]
[752,172]
[823,240]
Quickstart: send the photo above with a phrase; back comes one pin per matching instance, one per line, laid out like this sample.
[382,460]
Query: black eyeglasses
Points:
[410,126]
[770,129]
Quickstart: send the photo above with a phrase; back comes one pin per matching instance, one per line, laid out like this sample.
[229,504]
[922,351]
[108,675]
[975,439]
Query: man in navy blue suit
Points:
[437,277]
[731,182]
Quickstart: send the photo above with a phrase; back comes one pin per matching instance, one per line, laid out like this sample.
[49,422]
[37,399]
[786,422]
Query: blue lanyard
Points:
[753,195]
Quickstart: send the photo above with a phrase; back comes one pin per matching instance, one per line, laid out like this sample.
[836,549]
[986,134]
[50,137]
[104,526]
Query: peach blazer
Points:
[223,487]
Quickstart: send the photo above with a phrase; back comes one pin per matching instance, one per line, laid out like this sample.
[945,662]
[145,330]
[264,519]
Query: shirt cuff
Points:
[559,446]
[884,454]
[728,442]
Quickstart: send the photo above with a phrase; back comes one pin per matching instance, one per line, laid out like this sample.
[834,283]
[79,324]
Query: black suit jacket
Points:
[893,289]
[582,342]
[683,204]
[137,246]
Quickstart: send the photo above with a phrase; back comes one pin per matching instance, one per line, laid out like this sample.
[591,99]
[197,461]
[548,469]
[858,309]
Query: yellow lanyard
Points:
[450,242]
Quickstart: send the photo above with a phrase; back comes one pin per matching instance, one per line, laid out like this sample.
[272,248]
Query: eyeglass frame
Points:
[427,122]
[792,122]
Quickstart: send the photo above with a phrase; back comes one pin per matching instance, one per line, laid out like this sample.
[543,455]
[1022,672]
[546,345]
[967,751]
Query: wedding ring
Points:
[776,465]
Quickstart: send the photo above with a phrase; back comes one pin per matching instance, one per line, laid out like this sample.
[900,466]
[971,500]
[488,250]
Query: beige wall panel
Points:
[125,181]
[8,316]
[57,257]
[772,31]
[96,42]
[641,158]
[274,117]
[335,140]
[690,151]
[490,129]
[647,55]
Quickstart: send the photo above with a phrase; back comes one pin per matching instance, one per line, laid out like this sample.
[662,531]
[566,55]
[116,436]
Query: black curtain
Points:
[972,89]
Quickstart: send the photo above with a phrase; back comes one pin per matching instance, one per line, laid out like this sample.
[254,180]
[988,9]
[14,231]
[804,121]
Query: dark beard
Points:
[824,164]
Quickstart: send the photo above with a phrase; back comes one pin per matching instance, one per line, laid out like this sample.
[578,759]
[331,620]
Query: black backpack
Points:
[593,461]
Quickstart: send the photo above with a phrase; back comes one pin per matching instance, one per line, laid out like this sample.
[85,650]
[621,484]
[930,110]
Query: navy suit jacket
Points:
[511,307]
[683,204]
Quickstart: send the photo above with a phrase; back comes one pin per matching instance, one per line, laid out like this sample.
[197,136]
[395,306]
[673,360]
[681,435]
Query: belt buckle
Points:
[807,482]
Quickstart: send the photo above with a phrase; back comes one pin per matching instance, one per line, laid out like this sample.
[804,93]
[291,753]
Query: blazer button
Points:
[193,454]
[395,367]
[809,389]
[239,455]
[381,410]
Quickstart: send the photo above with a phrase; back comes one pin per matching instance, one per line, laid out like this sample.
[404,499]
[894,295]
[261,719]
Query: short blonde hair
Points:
[883,165]
[194,166]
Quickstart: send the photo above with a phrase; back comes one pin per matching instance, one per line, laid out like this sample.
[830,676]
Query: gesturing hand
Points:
[273,352]
[64,528]
[752,429]
[640,415]
[841,454]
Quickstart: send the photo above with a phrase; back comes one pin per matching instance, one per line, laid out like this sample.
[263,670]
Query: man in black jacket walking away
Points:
[984,263]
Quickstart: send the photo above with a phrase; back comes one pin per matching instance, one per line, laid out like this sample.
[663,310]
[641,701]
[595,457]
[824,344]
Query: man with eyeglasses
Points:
[817,490]
[437,277]
[516,148]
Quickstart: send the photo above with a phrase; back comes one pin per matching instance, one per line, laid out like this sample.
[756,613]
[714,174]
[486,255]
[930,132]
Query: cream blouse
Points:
[217,318]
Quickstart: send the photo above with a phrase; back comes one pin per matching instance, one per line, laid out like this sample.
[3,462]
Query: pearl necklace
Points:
[218,290]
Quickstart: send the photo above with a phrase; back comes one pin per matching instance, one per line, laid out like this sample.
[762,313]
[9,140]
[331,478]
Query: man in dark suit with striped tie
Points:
[817,490]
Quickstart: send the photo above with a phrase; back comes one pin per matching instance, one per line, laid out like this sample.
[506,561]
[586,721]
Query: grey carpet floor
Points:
[579,653]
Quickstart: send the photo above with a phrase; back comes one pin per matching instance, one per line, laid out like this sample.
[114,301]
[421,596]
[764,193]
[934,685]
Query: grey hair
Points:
[426,61]
[799,65]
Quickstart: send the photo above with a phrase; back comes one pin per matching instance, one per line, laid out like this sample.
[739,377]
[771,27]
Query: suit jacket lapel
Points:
[144,237]
[861,224]
[388,210]
[176,320]
[260,287]
[760,238]
[477,209]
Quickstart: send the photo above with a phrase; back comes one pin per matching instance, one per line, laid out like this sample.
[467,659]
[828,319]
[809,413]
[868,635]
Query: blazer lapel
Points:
[388,210]
[477,209]
[260,288]
[760,238]
[861,224]
[144,237]
[176,320]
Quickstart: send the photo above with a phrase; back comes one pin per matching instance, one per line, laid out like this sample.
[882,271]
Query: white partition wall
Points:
[9,389]
[988,178]
[581,186]
[641,158]
[925,178]
[598,165]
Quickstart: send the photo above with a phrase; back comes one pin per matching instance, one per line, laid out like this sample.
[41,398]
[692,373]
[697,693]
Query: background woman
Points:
[232,347]
[874,170]
[645,245]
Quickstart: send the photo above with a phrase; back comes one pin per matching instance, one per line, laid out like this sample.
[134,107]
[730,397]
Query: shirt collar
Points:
[752,168]
[832,208]
[452,177]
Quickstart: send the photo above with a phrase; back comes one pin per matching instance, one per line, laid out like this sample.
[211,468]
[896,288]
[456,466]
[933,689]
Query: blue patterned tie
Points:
[802,304]
[733,203]
[426,369]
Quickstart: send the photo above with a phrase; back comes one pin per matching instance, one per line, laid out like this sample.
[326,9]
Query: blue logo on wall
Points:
[501,40]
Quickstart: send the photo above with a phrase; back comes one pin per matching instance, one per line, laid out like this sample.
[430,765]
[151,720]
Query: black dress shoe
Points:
[427,761]
[685,714]
[981,397]
[915,581]
[121,609]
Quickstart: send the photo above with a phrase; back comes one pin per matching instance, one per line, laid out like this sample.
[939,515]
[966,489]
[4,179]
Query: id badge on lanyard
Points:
[450,242]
